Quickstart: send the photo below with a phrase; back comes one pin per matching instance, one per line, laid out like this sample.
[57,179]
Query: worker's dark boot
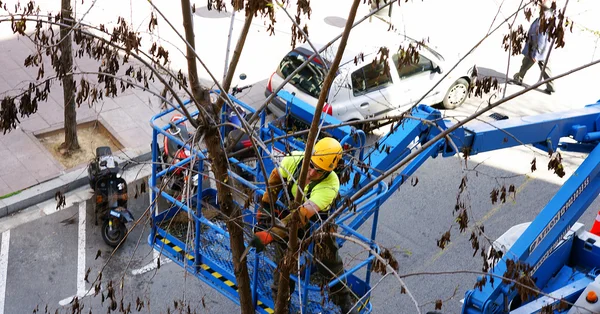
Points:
[346,303]
[518,79]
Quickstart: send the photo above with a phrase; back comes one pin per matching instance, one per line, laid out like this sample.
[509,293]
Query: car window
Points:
[309,79]
[407,70]
[369,78]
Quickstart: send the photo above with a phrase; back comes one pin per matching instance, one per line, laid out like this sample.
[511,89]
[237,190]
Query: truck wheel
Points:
[456,94]
[113,231]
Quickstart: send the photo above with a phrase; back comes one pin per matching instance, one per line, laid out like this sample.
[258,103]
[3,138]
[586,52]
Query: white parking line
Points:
[70,299]
[81,291]
[81,251]
[152,265]
[3,267]
[43,209]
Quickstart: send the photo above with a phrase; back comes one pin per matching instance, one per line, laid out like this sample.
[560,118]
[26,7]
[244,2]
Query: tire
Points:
[359,126]
[118,233]
[456,94]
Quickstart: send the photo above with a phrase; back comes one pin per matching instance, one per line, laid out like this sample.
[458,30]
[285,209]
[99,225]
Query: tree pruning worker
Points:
[321,189]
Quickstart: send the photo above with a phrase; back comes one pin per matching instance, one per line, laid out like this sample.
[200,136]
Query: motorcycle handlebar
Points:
[236,90]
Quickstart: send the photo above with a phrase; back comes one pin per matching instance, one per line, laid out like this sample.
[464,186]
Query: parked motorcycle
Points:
[110,195]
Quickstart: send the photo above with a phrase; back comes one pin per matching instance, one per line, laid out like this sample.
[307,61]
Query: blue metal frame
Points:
[193,259]
[541,245]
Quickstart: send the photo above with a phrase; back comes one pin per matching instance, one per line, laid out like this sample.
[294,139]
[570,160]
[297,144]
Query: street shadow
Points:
[503,78]
[500,76]
[212,13]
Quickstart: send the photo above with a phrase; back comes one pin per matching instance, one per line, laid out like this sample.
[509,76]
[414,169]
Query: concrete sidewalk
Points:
[28,172]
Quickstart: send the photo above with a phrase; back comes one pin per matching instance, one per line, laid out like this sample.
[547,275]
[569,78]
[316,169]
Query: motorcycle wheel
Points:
[116,235]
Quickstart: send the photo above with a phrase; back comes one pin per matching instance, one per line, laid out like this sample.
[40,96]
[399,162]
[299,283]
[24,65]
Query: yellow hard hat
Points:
[327,153]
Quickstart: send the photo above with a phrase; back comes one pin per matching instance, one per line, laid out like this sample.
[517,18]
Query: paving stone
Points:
[4,188]
[7,63]
[9,137]
[255,93]
[52,113]
[34,124]
[127,100]
[42,166]
[47,174]
[5,88]
[118,120]
[9,161]
[135,138]
[56,95]
[18,78]
[85,113]
[87,64]
[22,146]
[18,179]
[147,129]
[140,113]
[106,104]
[18,49]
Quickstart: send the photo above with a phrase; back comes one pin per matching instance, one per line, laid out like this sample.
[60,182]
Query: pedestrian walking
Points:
[536,49]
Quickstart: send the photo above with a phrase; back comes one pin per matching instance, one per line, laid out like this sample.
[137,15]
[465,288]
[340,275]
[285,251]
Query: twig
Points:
[451,129]
[382,260]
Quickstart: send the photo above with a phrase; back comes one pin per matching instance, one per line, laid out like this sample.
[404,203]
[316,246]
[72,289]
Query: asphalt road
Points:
[48,258]
[49,254]
[45,254]
[415,217]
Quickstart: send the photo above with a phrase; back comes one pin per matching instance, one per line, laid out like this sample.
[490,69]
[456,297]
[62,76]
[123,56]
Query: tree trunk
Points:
[219,167]
[237,52]
[71,142]
[291,254]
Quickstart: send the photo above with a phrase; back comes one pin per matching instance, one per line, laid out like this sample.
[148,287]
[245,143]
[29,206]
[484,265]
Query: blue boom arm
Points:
[545,233]
[210,258]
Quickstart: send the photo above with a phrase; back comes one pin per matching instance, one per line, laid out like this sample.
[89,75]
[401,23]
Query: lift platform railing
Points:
[205,251]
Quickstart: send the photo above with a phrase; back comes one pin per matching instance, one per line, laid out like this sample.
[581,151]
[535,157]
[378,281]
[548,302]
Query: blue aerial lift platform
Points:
[547,245]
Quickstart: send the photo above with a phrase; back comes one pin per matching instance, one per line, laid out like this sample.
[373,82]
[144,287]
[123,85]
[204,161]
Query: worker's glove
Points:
[255,243]
[305,215]
[260,240]
[265,237]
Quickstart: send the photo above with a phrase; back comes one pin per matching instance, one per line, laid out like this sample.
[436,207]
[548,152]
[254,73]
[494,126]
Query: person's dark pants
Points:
[329,265]
[527,64]
[279,254]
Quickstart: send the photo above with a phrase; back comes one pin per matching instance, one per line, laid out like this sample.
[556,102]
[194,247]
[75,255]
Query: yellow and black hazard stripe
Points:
[207,268]
[363,304]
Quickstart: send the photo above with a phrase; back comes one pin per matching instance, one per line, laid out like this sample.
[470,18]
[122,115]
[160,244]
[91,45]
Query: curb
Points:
[47,190]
